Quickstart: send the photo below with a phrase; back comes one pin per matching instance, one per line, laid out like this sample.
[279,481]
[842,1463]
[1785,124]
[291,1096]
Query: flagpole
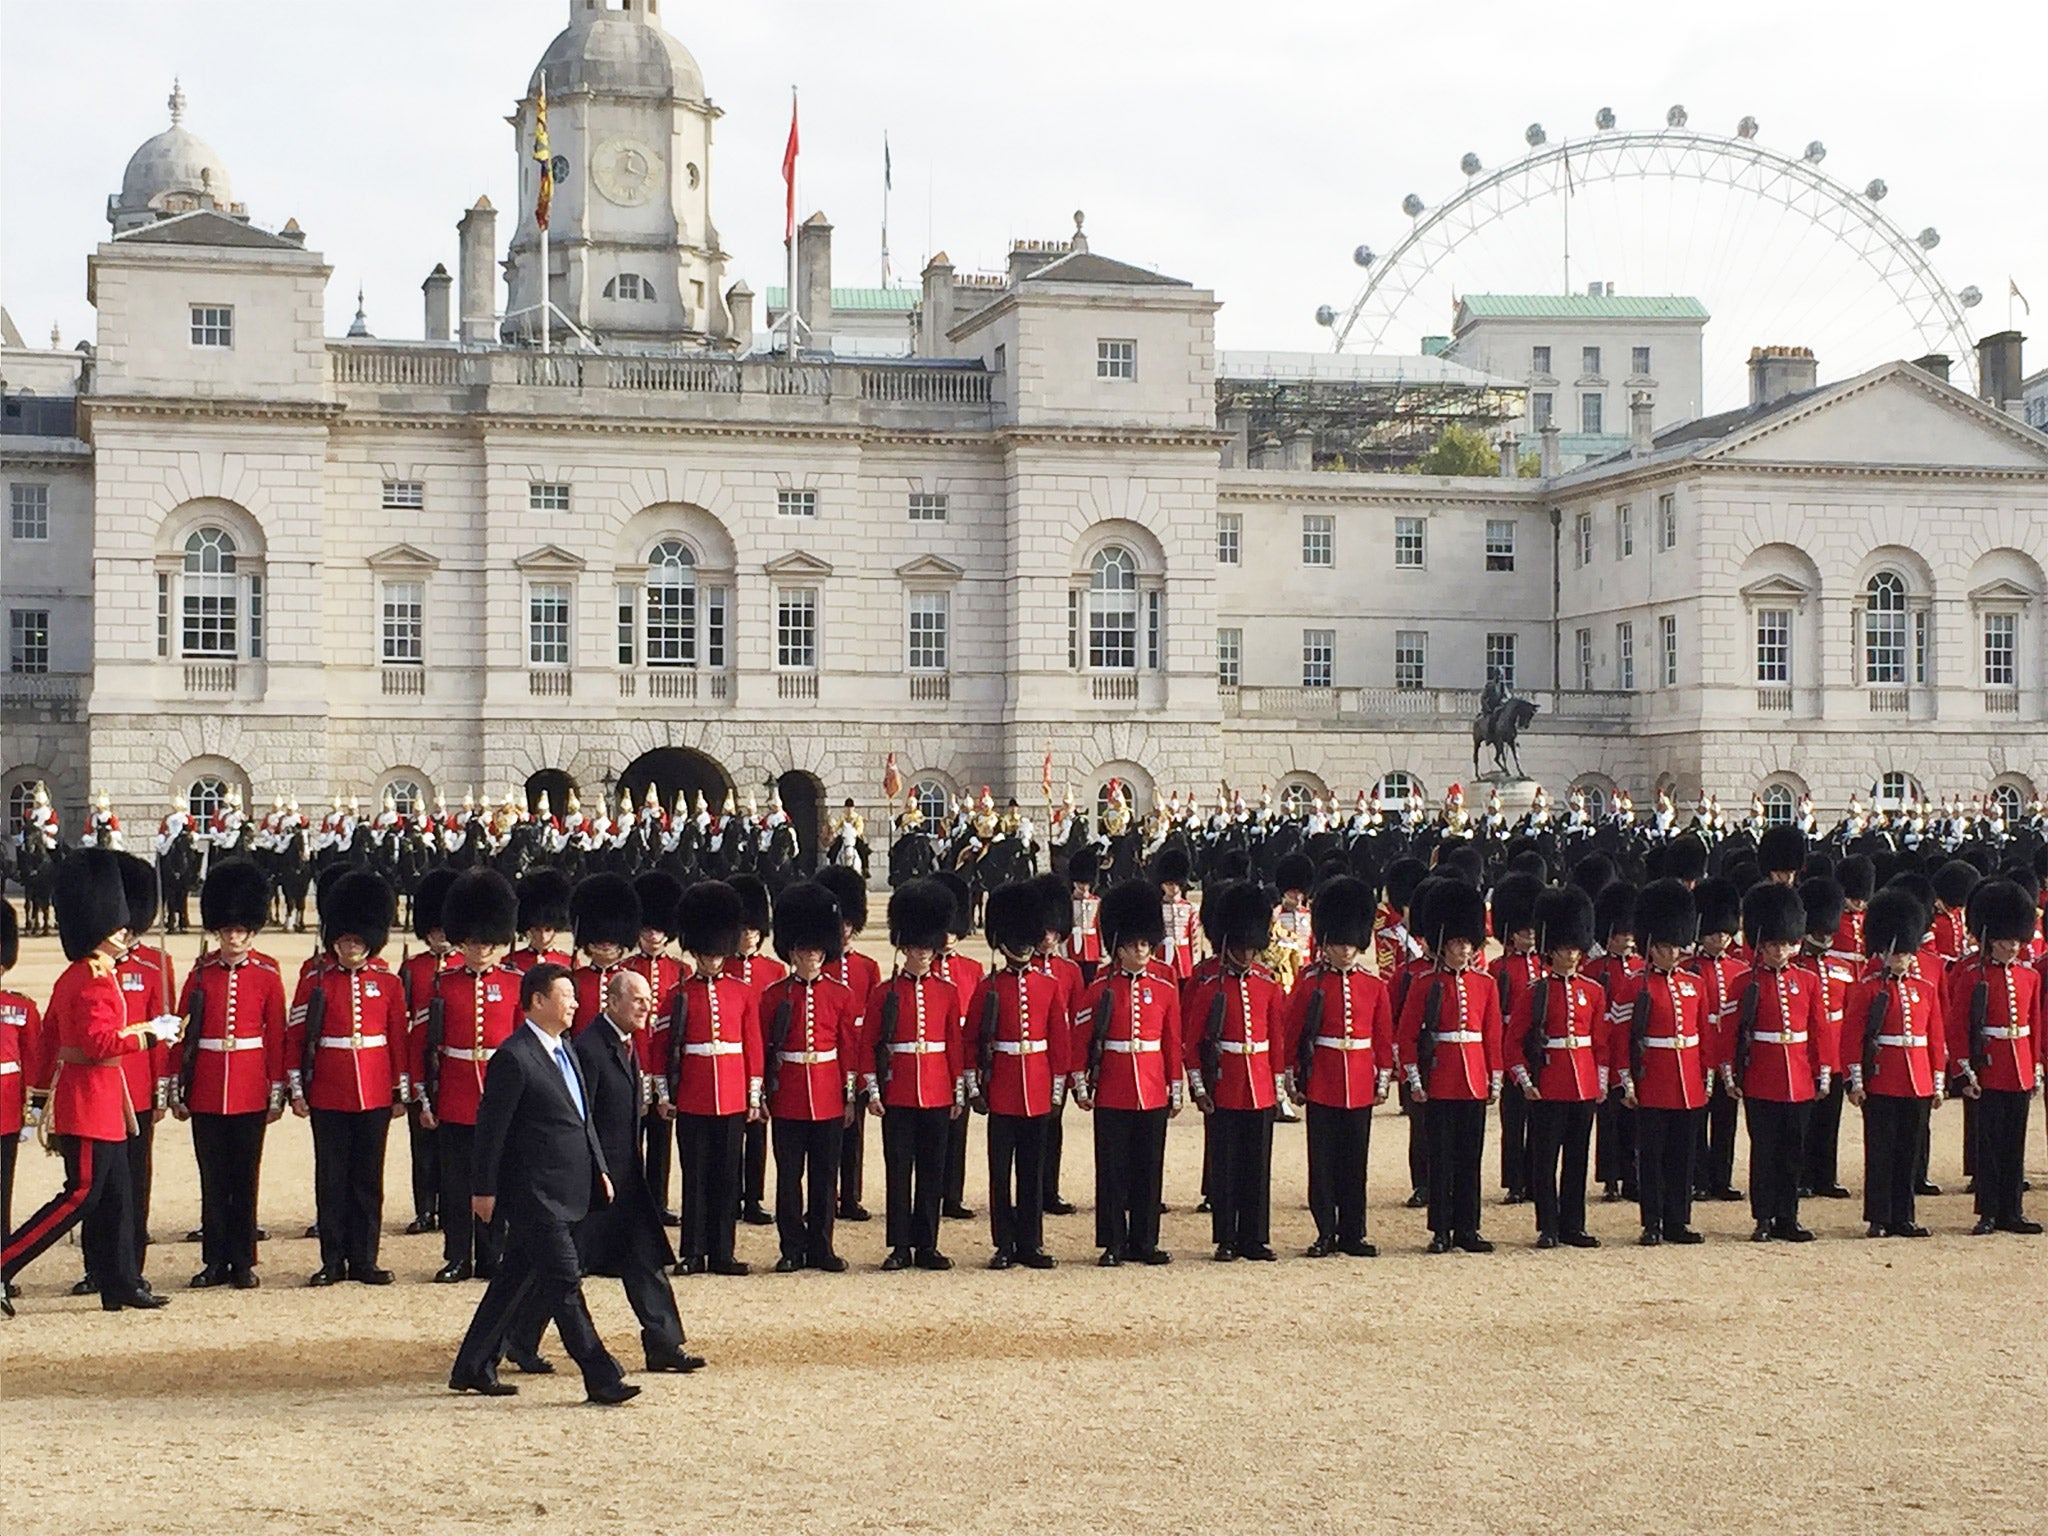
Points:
[885,208]
[545,171]
[789,296]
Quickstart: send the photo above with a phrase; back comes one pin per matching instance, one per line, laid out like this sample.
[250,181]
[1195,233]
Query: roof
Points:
[1087,267]
[1355,368]
[205,226]
[1579,306]
[850,300]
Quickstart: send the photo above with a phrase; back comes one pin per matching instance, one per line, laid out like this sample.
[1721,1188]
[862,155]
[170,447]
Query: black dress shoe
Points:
[1909,1229]
[6,1303]
[1321,1248]
[1514,1197]
[1763,1233]
[263,1234]
[1684,1236]
[243,1279]
[452,1272]
[530,1365]
[932,1259]
[1792,1232]
[313,1231]
[1058,1207]
[1651,1238]
[1546,1240]
[788,1266]
[1832,1192]
[1471,1242]
[1359,1250]
[675,1362]
[418,1225]
[327,1274]
[1439,1243]
[1984,1228]
[1727,1193]
[212,1275]
[1877,1229]
[1259,1254]
[1110,1259]
[855,1213]
[1225,1254]
[754,1216]
[671,1219]
[953,1210]
[1610,1194]
[1926,1187]
[1578,1240]
[1002,1261]
[612,1396]
[696,1264]
[1416,1200]
[899,1258]
[1203,1207]
[142,1300]
[370,1276]
[1037,1258]
[86,1286]
[1155,1256]
[195,1236]
[482,1385]
[830,1263]
[731,1267]
[2021,1227]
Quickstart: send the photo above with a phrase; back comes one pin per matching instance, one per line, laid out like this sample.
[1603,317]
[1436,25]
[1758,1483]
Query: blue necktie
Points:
[569,1077]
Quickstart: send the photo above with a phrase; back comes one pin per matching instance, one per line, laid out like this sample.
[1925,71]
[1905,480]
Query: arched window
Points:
[931,799]
[1126,798]
[407,798]
[210,625]
[21,799]
[1884,630]
[1778,805]
[629,285]
[204,796]
[1296,798]
[1596,799]
[1397,786]
[671,605]
[2009,801]
[1113,611]
[1894,789]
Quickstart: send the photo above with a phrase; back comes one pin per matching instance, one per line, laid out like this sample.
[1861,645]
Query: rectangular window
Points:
[210,628]
[2001,658]
[1074,629]
[1500,657]
[1585,660]
[1584,529]
[1589,361]
[1920,647]
[1113,632]
[28,640]
[1318,649]
[405,494]
[1229,538]
[1667,649]
[1667,521]
[796,628]
[547,625]
[796,503]
[1639,361]
[1116,359]
[1155,630]
[671,607]
[928,616]
[1624,530]
[1625,657]
[163,615]
[1592,409]
[1774,645]
[213,325]
[28,511]
[1539,361]
[1542,408]
[1410,543]
[1229,656]
[625,603]
[926,507]
[1411,657]
[547,496]
[402,624]
[1318,540]
[714,628]
[1500,544]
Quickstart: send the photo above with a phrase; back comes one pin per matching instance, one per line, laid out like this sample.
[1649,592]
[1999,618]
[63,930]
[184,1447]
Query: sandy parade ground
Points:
[1847,1385]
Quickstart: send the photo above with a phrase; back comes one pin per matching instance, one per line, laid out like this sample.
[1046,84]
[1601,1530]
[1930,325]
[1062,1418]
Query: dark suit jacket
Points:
[533,1150]
[630,1227]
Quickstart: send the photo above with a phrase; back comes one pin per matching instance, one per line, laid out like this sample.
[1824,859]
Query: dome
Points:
[623,52]
[175,165]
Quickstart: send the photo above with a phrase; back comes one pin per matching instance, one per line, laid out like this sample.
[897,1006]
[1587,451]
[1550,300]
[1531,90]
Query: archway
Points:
[553,783]
[673,770]
[803,798]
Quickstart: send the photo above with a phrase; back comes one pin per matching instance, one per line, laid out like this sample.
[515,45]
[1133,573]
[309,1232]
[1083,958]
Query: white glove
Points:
[1059,1091]
[165,1026]
[1826,1081]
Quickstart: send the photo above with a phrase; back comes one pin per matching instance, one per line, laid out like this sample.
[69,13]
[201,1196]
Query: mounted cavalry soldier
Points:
[1501,719]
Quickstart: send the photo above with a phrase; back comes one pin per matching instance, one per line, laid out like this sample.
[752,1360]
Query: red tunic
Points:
[1834,977]
[525,958]
[1675,1043]
[1722,978]
[721,1060]
[361,1060]
[1084,939]
[1911,1048]
[83,1043]
[416,981]
[1354,1043]
[1069,1055]
[1848,944]
[1392,945]
[859,975]
[1141,1053]
[1467,1060]
[1179,949]
[2012,1043]
[1784,1045]
[479,1011]
[756,972]
[1028,1048]
[664,974]
[239,1069]
[1515,974]
[928,1054]
[961,973]
[1248,1061]
[1951,937]
[146,994]
[819,1055]
[21,1029]
[590,982]
[1573,1068]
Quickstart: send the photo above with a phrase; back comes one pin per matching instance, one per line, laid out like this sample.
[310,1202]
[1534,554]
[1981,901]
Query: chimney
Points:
[813,296]
[935,313]
[1510,456]
[1775,372]
[1237,426]
[1266,453]
[478,234]
[1998,370]
[739,306]
[1301,449]
[1549,457]
[436,288]
[1641,438]
[1934,365]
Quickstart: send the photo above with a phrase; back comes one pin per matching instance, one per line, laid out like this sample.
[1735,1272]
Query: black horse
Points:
[1501,730]
[291,874]
[177,869]
[37,872]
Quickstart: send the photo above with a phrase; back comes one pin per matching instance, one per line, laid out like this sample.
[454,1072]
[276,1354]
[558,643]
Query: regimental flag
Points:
[789,179]
[1045,772]
[2014,289]
[892,781]
[544,156]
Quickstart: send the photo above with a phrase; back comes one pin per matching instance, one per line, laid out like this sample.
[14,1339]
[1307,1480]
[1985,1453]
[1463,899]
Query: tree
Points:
[1463,450]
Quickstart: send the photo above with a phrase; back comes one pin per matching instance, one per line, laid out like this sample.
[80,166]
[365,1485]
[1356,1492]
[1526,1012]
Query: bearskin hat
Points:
[961,923]
[1953,882]
[1857,877]
[1170,866]
[139,889]
[236,895]
[1231,864]
[1421,905]
[1514,905]
[480,908]
[544,900]
[851,892]
[807,917]
[1719,904]
[362,904]
[1244,917]
[1084,867]
[1614,910]
[1771,914]
[754,901]
[1462,863]
[1530,861]
[10,936]
[1781,848]
[604,910]
[1894,924]
[1822,899]
[1564,920]
[1132,913]
[658,892]
[1403,876]
[709,917]
[2001,910]
[90,899]
[1457,911]
[1921,887]
[1295,872]
[427,898]
[1015,918]
[1593,874]
[1342,913]
[921,914]
[1685,858]
[323,882]
[1741,873]
[1667,914]
[1055,904]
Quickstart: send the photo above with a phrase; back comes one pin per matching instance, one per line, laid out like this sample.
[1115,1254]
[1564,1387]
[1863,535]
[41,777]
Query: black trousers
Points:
[10,1147]
[1514,1139]
[1969,1138]
[1418,1142]
[659,1145]
[806,1185]
[425,1147]
[348,1184]
[1457,1144]
[1055,1143]
[1777,1147]
[141,1149]
[1665,1142]
[96,1193]
[956,1160]
[1130,1161]
[2001,1153]
[1339,1142]
[1820,1164]
[710,1149]
[1560,1139]
[1016,1181]
[539,1277]
[1714,1151]
[1208,1155]
[230,1153]
[1614,1155]
[464,1239]
[755,1190]
[914,1143]
[1893,1129]
[1241,1192]
[853,1155]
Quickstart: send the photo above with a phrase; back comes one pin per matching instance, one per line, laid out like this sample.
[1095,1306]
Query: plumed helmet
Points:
[1295,872]
[90,899]
[1244,917]
[1015,917]
[544,900]
[1593,874]
[1132,913]
[1857,876]
[1457,911]
[1666,914]
[360,904]
[236,895]
[1564,920]
[1822,899]
[427,898]
[605,910]
[1614,910]
[962,922]
[1953,883]
[1342,912]
[754,901]
[1084,867]
[709,917]
[139,888]
[1685,858]
[1999,910]
[1894,924]
[850,891]
[1772,914]
[1514,904]
[1719,904]
[920,915]
[658,892]
[1781,848]
[1170,866]
[807,917]
[1403,876]
[10,936]
[480,908]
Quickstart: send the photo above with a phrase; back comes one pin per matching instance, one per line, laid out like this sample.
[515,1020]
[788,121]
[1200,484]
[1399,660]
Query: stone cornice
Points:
[187,406]
[1301,490]
[484,424]
[1173,439]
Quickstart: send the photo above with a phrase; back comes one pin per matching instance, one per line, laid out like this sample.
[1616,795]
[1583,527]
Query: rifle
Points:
[1745,1026]
[437,1039]
[1639,1030]
[678,1016]
[1534,1052]
[1311,1026]
[316,1017]
[885,1037]
[1980,1021]
[778,1036]
[1873,1023]
[985,1044]
[1212,1036]
[1098,1038]
[1432,1015]
[188,1047]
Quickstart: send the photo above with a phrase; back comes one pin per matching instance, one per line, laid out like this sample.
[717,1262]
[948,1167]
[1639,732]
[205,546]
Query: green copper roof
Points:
[898,300]
[1580,306]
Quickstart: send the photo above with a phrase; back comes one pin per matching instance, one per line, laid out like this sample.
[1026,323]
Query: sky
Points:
[1246,149]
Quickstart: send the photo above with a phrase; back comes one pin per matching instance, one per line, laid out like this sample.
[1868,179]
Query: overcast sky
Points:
[1247,148]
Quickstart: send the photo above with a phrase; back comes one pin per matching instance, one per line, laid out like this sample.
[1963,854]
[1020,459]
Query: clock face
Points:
[625,171]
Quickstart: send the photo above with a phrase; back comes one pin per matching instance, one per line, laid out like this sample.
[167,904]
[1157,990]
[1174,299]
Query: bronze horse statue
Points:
[1500,730]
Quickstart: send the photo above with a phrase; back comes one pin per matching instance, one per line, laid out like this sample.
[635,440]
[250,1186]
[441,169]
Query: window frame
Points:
[1116,357]
[210,600]
[1589,363]
[1319,658]
[1991,647]
[1593,412]
[1318,540]
[1773,652]
[392,625]
[670,607]
[1667,650]
[1625,656]
[1230,538]
[1411,539]
[541,642]
[796,501]
[213,326]
[1502,650]
[1639,362]
[1624,529]
[28,642]
[1542,408]
[548,496]
[1500,551]
[798,628]
[1582,530]
[1110,620]
[936,641]
[1411,660]
[404,495]
[1884,631]
[28,511]
[1539,362]
[927,507]
[1229,656]
[1667,521]
[1583,656]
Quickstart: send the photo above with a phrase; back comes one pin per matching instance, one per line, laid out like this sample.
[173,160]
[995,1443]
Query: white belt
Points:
[712,1047]
[1242,1047]
[916,1047]
[1567,1042]
[1459,1037]
[1902,1040]
[1675,1042]
[238,1043]
[1342,1043]
[464,1053]
[1128,1047]
[1835,1016]
[1021,1047]
[349,1042]
[2003,1033]
[7,1067]
[1778,1037]
[806,1058]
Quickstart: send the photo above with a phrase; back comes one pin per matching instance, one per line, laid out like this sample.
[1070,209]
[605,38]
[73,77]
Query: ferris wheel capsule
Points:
[1928,238]
[1675,118]
[1534,135]
[1326,316]
[1470,164]
[1970,297]
[1413,206]
[1816,152]
[1604,118]
[1364,256]
[1746,129]
[1876,189]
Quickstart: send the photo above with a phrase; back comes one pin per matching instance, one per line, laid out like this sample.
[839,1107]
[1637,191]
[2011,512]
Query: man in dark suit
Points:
[537,1148]
[624,1238]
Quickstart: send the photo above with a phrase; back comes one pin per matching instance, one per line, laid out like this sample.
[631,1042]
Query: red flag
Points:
[892,781]
[1045,772]
[789,176]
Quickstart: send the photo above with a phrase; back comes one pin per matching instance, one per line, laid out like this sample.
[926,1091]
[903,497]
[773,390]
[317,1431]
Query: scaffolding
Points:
[1346,411]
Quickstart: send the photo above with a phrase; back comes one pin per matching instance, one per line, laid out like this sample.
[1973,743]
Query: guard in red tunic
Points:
[416,981]
[1232,1047]
[1614,924]
[1898,1052]
[914,1049]
[1393,937]
[604,912]
[757,972]
[1448,1046]
[1170,869]
[714,1074]
[543,919]
[1207,970]
[1084,932]
[1518,969]
[231,1081]
[1825,908]
[1857,876]
[1663,1062]
[861,976]
[86,1033]
[963,973]
[810,1055]
[658,891]
[1993,1009]
[1133,1080]
[1055,897]
[1723,974]
[1955,882]
[470,1010]
[21,1030]
[1776,1065]
[1418,961]
[1557,1048]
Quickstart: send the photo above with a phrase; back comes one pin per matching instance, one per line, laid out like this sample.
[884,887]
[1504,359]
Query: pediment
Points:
[1894,415]
[930,568]
[798,563]
[2001,591]
[403,557]
[1776,588]
[549,557]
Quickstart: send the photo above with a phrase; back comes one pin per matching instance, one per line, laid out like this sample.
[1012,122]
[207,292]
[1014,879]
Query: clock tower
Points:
[634,255]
